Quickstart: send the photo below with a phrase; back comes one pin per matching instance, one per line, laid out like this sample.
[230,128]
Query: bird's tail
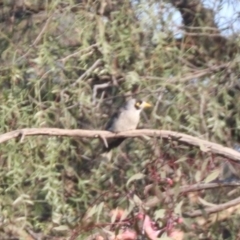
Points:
[113,143]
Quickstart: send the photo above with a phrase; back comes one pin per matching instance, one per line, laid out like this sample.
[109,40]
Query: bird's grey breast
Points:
[127,120]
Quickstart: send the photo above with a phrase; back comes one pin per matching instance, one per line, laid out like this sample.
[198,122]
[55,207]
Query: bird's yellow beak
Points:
[146,105]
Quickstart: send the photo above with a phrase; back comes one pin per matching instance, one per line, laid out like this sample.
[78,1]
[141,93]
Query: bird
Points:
[126,118]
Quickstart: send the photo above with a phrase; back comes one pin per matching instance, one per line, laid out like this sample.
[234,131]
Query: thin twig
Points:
[210,210]
[94,66]
[42,31]
[79,52]
[203,34]
[190,76]
[38,38]
[201,28]
[95,90]
[205,186]
[154,201]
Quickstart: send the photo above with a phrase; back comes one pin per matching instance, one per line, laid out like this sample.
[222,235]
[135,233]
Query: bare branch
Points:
[38,38]
[204,145]
[202,34]
[192,75]
[96,88]
[42,31]
[205,186]
[94,66]
[218,208]
[79,52]
[154,201]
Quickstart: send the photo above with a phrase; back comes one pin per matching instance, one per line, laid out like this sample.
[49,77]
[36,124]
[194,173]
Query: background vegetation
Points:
[70,64]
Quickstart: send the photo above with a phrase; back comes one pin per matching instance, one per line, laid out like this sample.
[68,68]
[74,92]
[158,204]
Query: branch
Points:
[39,37]
[210,210]
[96,88]
[193,74]
[93,67]
[154,201]
[204,145]
[205,186]
[79,52]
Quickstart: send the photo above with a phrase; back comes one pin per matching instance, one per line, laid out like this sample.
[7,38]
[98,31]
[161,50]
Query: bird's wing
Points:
[113,118]
[112,143]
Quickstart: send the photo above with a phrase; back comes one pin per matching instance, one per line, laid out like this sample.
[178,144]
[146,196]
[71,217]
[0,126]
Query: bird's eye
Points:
[138,104]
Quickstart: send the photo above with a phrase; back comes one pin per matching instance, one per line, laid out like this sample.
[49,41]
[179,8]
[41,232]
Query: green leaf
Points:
[61,228]
[99,210]
[198,176]
[181,159]
[136,176]
[205,203]
[92,211]
[159,213]
[212,176]
[137,200]
[178,208]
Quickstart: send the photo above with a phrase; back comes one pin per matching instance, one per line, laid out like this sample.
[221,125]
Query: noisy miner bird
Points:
[126,118]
